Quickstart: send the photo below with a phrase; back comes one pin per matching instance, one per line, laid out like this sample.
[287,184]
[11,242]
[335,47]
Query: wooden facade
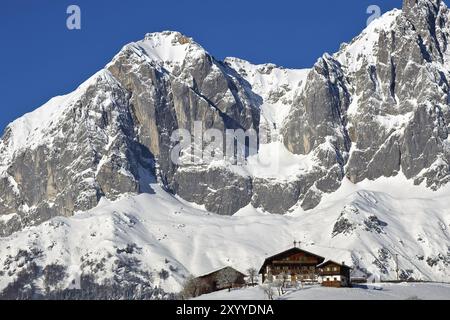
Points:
[333,274]
[297,264]
[210,282]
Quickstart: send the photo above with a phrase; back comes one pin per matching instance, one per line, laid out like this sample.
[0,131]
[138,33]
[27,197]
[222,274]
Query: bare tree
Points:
[252,276]
[268,290]
[280,282]
[285,278]
[270,277]
[226,278]
[192,287]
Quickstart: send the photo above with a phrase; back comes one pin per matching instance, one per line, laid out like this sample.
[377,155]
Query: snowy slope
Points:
[402,291]
[169,49]
[39,126]
[368,225]
[363,47]
[277,86]
[169,234]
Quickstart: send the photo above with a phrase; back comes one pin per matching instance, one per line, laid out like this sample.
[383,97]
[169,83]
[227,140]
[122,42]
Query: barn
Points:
[225,278]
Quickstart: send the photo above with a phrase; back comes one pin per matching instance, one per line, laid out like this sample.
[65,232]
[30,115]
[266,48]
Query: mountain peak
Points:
[175,37]
[361,49]
[409,5]
[360,139]
[168,48]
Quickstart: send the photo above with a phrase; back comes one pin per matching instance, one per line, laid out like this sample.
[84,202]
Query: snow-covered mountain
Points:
[359,143]
[159,239]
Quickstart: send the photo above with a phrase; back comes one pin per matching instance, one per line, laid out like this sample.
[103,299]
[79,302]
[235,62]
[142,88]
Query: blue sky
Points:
[41,58]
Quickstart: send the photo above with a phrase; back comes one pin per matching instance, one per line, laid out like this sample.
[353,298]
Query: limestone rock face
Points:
[275,197]
[317,125]
[319,111]
[389,94]
[377,108]
[112,136]
[167,95]
[88,152]
[220,191]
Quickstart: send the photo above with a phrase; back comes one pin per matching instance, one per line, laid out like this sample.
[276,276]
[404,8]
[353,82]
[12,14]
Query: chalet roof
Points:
[220,269]
[289,251]
[334,262]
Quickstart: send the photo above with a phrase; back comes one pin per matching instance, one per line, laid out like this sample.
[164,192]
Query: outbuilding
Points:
[333,274]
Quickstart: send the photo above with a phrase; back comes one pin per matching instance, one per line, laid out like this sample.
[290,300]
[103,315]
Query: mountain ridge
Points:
[343,115]
[375,112]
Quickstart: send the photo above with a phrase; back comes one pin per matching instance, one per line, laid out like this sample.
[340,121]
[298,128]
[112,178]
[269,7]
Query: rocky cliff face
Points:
[68,154]
[381,102]
[112,135]
[378,107]
[173,83]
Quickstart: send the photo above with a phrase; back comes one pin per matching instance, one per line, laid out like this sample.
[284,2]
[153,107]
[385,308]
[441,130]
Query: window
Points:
[335,269]
[335,279]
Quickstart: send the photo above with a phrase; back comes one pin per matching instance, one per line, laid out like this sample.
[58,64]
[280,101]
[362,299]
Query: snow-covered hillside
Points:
[384,291]
[365,225]
[357,167]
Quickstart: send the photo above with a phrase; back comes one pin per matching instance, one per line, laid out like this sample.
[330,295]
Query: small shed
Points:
[224,278]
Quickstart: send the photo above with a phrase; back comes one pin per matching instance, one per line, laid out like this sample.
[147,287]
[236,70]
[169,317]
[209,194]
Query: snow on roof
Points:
[294,249]
[331,261]
[219,269]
